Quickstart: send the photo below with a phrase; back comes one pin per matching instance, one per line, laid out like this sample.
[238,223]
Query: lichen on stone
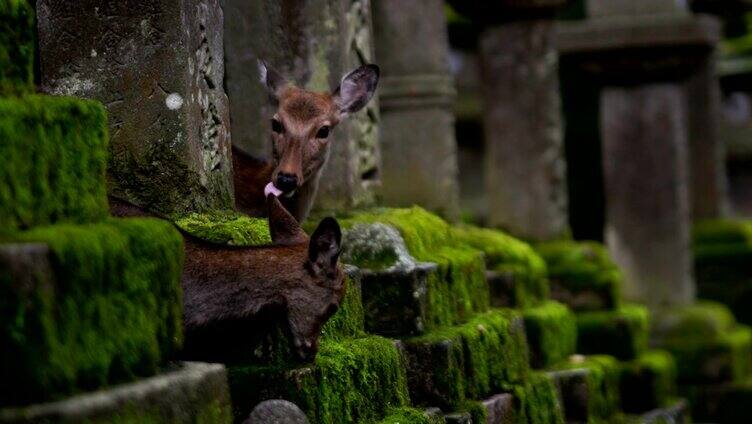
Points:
[225,227]
[375,246]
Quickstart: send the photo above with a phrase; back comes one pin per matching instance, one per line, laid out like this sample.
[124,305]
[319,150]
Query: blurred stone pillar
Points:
[417,91]
[158,68]
[525,164]
[643,53]
[314,43]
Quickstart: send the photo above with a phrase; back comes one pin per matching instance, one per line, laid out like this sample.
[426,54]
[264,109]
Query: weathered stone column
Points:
[158,67]
[525,164]
[417,132]
[643,53]
[313,43]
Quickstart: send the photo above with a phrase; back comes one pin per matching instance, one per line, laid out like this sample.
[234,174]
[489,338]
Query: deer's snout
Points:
[286,182]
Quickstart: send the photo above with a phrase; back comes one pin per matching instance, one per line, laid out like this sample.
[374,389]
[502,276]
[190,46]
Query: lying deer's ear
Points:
[356,89]
[272,80]
[325,247]
[283,227]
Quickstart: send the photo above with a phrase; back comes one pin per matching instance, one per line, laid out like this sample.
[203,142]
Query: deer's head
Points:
[304,121]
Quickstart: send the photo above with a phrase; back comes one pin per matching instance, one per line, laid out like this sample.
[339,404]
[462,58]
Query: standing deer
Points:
[301,128]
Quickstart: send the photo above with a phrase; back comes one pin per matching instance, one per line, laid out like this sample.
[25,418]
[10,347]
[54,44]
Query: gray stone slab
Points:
[606,8]
[193,392]
[158,67]
[574,393]
[525,165]
[644,132]
[458,418]
[500,409]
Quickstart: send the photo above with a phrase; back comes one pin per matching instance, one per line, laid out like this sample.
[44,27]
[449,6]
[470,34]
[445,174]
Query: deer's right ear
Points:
[325,247]
[272,80]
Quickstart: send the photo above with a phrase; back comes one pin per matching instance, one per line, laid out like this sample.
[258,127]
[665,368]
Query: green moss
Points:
[602,382]
[348,320]
[408,415]
[478,412]
[54,159]
[702,321]
[551,333]
[582,274]
[722,232]
[16,47]
[225,227]
[538,400]
[469,361]
[506,254]
[622,333]
[648,382]
[112,313]
[356,380]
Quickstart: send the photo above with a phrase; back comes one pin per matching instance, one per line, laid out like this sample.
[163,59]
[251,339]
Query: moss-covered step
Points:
[54,153]
[85,306]
[539,401]
[551,333]
[450,365]
[648,382]
[16,48]
[408,415]
[357,380]
[582,275]
[723,264]
[588,388]
[622,333]
[727,403]
[707,343]
[676,412]
[186,393]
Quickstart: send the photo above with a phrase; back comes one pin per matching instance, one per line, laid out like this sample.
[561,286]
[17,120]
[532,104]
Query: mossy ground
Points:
[551,333]
[648,382]
[582,274]
[113,313]
[16,48]
[225,227]
[53,154]
[622,333]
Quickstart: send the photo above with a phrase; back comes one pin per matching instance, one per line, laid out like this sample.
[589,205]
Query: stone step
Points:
[551,333]
[647,382]
[16,47]
[588,387]
[92,305]
[582,275]
[622,333]
[191,392]
[725,403]
[677,413]
[54,154]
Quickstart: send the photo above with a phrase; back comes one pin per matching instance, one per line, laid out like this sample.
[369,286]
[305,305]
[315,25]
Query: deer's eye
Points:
[277,127]
[323,132]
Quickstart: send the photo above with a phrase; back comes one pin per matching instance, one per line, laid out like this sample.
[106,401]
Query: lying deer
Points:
[301,128]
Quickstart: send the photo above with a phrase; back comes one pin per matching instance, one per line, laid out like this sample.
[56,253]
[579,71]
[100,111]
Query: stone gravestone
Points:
[313,43]
[158,67]
[418,145]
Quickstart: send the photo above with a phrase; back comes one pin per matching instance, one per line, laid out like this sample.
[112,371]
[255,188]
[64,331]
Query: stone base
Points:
[648,382]
[500,409]
[551,333]
[721,403]
[676,413]
[622,333]
[588,387]
[194,392]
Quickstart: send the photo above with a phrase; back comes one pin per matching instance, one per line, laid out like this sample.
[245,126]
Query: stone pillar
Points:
[646,133]
[313,43]
[647,203]
[525,164]
[417,132]
[158,67]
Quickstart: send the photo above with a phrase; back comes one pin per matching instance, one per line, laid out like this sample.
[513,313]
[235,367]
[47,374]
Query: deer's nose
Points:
[286,182]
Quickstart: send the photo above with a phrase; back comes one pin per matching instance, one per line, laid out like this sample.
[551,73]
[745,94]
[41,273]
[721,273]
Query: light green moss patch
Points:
[225,227]
[602,382]
[16,48]
[648,382]
[622,333]
[409,415]
[551,333]
[506,254]
[722,232]
[582,274]
[114,311]
[348,320]
[702,321]
[53,152]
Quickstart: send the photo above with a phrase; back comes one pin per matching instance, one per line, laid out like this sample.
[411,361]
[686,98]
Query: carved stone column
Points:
[158,67]
[417,133]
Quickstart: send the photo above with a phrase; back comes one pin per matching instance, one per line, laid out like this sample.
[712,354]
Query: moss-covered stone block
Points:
[708,345]
[648,382]
[728,403]
[188,393]
[450,365]
[87,306]
[589,387]
[54,157]
[676,412]
[582,275]
[226,227]
[348,321]
[354,380]
[16,47]
[551,333]
[539,400]
[500,409]
[622,333]
[407,415]
[513,258]
[723,252]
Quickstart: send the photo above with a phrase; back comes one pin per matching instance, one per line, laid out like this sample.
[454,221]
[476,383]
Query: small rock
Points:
[276,411]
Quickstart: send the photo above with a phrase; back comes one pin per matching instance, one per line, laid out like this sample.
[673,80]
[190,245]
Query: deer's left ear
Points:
[356,89]
[325,247]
